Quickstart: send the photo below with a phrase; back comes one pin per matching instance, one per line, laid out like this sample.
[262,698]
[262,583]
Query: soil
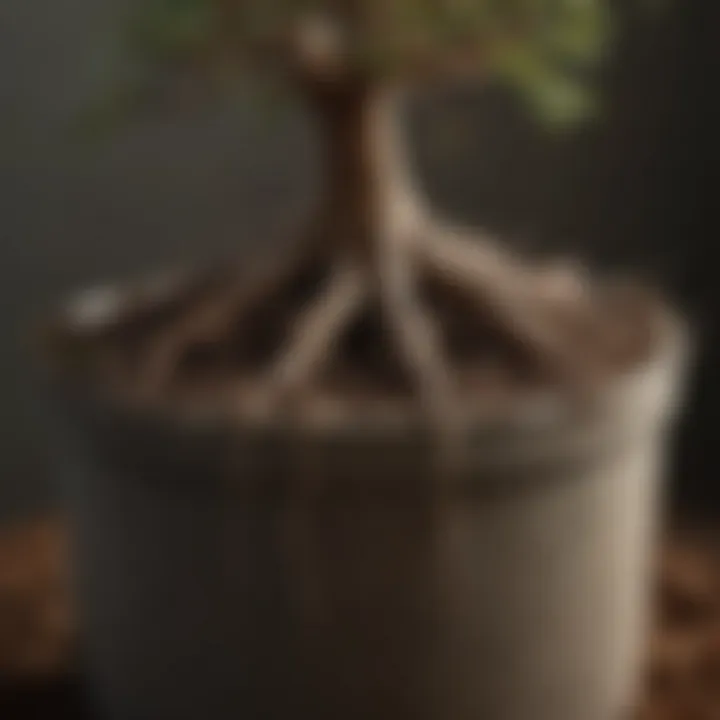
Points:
[606,330]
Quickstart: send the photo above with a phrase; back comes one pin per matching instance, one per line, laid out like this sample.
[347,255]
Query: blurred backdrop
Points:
[634,191]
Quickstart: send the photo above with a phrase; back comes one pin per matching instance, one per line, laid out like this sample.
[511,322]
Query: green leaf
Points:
[580,35]
[560,102]
[548,89]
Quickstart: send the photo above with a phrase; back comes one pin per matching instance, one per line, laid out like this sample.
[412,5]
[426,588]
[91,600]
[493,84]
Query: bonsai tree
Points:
[378,287]
[318,567]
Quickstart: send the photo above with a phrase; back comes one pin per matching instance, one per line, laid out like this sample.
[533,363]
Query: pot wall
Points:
[242,576]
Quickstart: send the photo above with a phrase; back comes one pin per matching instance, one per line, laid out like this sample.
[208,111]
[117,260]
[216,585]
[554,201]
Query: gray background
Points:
[206,180]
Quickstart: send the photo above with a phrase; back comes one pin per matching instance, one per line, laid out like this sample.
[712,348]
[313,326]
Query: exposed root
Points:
[538,307]
[214,318]
[512,294]
[418,340]
[316,331]
[521,300]
[471,259]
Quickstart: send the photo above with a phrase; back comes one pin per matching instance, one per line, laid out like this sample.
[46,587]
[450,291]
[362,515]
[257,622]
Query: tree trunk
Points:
[369,194]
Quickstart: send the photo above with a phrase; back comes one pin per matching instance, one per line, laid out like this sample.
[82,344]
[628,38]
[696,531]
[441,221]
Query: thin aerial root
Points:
[203,324]
[509,295]
[420,344]
[472,260]
[318,328]
[216,316]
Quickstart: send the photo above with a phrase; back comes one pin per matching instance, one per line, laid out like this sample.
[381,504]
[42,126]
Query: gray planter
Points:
[234,573]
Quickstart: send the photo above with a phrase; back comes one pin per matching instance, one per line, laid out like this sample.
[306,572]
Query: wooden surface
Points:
[37,628]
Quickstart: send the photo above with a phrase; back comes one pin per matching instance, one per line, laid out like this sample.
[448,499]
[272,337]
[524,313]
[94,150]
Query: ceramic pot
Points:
[228,571]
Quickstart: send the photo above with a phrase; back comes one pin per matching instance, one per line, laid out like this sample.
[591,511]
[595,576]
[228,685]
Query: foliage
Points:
[544,49]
